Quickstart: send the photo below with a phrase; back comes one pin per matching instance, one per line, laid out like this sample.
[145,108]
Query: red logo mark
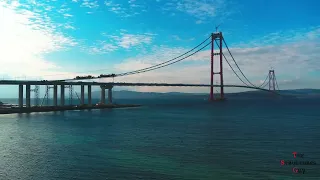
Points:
[298,170]
[295,154]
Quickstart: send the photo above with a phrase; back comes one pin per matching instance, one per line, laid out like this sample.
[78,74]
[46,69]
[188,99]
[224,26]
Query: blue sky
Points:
[57,39]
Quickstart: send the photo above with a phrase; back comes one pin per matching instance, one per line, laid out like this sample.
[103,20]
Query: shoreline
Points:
[62,108]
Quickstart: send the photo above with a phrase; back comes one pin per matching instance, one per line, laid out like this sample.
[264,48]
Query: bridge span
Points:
[103,85]
[186,85]
[8,82]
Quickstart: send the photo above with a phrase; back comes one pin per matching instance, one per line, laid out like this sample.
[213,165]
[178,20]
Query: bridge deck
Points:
[10,82]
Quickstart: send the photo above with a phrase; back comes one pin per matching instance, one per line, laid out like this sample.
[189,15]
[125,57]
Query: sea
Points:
[192,139]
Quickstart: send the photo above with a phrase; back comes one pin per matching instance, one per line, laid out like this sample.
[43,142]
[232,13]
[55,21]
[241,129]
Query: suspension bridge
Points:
[215,39]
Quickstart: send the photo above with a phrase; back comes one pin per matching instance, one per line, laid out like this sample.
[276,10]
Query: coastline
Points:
[62,108]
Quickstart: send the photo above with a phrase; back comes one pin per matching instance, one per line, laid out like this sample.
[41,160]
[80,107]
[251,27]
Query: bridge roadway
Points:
[26,107]
[16,82]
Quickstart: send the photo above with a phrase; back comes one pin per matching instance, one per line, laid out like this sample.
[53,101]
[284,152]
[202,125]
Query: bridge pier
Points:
[89,95]
[110,95]
[55,95]
[103,95]
[28,90]
[82,95]
[21,95]
[62,98]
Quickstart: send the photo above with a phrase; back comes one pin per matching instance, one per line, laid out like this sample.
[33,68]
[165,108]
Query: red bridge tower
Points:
[272,80]
[214,38]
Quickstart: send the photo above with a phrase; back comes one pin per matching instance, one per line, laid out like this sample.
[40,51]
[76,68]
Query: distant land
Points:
[124,94]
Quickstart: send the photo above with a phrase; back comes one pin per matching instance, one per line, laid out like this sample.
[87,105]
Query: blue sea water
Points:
[165,139]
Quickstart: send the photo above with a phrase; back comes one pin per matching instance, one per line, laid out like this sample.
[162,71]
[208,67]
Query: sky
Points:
[62,39]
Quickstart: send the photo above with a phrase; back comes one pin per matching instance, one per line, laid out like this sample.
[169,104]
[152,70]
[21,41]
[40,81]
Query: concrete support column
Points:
[62,98]
[55,95]
[82,95]
[110,95]
[21,95]
[103,95]
[28,90]
[89,95]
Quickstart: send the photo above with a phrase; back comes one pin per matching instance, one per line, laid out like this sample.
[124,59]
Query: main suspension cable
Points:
[122,74]
[276,82]
[264,85]
[232,67]
[154,66]
[236,63]
[264,81]
[146,70]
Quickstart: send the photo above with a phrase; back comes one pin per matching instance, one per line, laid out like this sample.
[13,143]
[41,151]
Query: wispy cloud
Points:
[68,26]
[199,22]
[280,37]
[101,47]
[67,15]
[92,4]
[128,40]
[63,9]
[123,40]
[26,36]
[199,9]
[202,10]
[158,54]
[178,38]
[133,8]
